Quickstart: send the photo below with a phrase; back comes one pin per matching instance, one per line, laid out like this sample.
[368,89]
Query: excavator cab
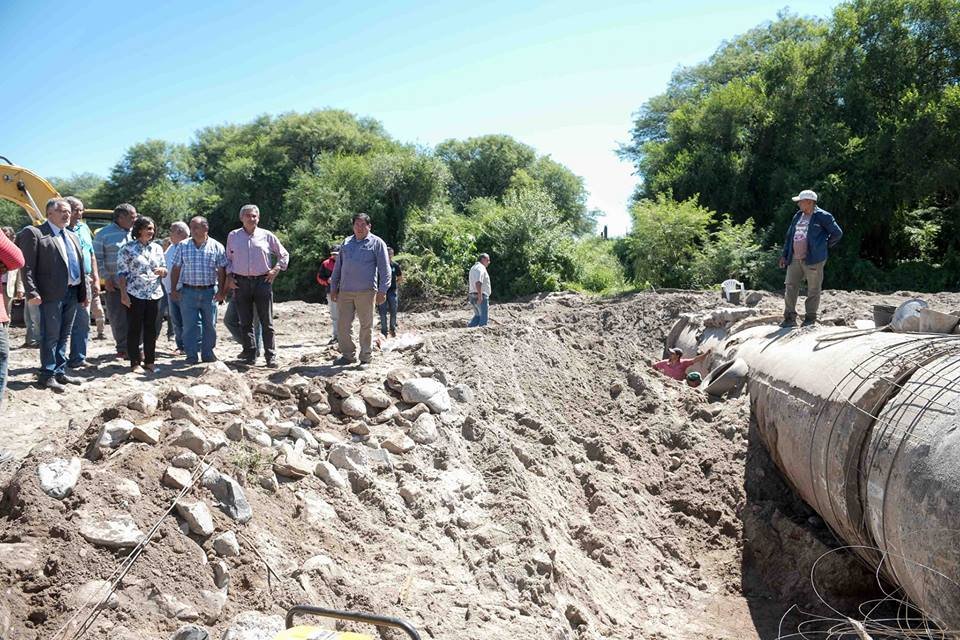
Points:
[308,632]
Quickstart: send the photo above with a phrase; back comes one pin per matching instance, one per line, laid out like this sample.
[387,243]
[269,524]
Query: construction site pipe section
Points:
[865,427]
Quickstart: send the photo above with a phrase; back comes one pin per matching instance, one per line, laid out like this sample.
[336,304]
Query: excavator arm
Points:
[26,189]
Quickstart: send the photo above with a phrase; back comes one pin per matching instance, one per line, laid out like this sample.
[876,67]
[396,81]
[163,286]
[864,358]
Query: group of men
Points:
[811,233]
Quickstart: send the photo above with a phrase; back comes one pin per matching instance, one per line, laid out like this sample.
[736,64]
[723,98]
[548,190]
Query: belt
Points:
[249,277]
[199,286]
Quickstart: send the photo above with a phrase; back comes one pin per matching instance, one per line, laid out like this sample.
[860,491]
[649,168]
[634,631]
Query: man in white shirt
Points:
[179,231]
[478,292]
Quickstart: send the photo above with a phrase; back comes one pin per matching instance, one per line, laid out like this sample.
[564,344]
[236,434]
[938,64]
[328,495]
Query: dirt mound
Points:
[555,487]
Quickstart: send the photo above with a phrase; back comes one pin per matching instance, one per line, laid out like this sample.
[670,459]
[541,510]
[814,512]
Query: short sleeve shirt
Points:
[198,265]
[676,371]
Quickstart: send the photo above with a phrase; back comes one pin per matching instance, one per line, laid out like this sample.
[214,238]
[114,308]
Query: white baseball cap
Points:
[806,194]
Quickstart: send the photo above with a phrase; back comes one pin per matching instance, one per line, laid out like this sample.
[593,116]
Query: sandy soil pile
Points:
[550,485]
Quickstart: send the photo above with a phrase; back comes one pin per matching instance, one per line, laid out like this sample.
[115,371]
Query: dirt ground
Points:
[570,492]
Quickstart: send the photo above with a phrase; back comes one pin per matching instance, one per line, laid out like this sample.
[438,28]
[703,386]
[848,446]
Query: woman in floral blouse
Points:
[140,266]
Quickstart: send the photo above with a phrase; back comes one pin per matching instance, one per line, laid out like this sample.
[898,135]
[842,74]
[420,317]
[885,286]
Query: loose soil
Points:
[572,493]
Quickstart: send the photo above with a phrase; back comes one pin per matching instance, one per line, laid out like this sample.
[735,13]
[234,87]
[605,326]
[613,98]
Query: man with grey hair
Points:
[199,266]
[360,280]
[478,291]
[81,324]
[250,274]
[179,231]
[106,247]
[54,280]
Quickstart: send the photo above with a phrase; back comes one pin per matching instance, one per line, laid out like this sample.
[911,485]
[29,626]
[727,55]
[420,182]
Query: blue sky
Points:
[84,81]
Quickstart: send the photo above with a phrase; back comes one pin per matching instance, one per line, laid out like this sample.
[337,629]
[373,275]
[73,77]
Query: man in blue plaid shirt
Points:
[200,268]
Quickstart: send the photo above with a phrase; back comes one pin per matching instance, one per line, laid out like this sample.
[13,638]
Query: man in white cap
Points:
[804,255]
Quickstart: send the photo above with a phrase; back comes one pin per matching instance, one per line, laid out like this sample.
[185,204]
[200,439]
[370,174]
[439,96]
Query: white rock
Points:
[213,603]
[177,478]
[268,415]
[323,565]
[396,377]
[292,465]
[19,556]
[376,397]
[298,383]
[195,440]
[388,414]
[353,406]
[185,460]
[217,408]
[329,474]
[398,443]
[343,388]
[328,439]
[299,433]
[92,592]
[197,515]
[431,392]
[148,432]
[203,391]
[226,544]
[315,510]
[221,574]
[229,494]
[289,410]
[359,428]
[311,414]
[258,437]
[144,402]
[190,632]
[253,625]
[58,478]
[276,390]
[182,411]
[424,429]
[316,395]
[127,488]
[415,412]
[462,393]
[409,493]
[117,531]
[347,457]
[114,432]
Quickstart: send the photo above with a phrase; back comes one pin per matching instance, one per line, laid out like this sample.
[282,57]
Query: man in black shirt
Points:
[390,304]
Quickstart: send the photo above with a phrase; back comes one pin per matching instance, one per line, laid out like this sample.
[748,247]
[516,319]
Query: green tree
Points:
[81,185]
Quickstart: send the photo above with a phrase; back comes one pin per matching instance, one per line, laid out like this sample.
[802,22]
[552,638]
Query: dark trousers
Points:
[255,294]
[142,323]
[389,306]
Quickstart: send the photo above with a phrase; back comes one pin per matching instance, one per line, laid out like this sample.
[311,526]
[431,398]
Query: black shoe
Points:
[272,363]
[343,361]
[212,359]
[245,361]
[52,385]
[65,379]
[809,321]
[789,321]
[393,334]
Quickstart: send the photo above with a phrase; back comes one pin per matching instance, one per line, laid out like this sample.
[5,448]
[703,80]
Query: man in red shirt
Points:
[11,258]
[676,366]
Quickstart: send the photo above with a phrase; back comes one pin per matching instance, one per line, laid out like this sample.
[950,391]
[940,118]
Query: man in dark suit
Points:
[53,280]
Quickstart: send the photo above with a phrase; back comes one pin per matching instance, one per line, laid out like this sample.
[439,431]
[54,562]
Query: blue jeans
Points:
[79,336]
[176,321]
[390,304]
[31,318]
[4,360]
[199,313]
[56,323]
[480,310]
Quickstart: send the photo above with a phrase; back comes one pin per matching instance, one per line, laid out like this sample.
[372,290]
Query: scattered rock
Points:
[144,402]
[293,465]
[347,457]
[58,478]
[424,429]
[170,607]
[328,439]
[253,625]
[409,493]
[398,443]
[461,393]
[19,556]
[472,429]
[269,416]
[376,397]
[197,515]
[314,509]
[92,592]
[117,531]
[213,603]
[313,415]
[359,428]
[299,433]
[217,408]
[615,390]
[203,391]
[190,632]
[415,411]
[353,406]
[114,432]
[127,488]
[221,574]
[396,377]
[386,415]
[182,411]
[276,390]
[185,460]
[315,395]
[195,440]
[322,565]
[289,410]
[429,391]
[297,383]
[329,474]
[148,432]
[343,388]
[269,481]
[229,494]
[226,545]
[177,477]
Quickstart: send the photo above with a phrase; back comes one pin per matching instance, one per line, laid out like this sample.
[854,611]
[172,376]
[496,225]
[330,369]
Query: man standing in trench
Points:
[360,279]
[804,256]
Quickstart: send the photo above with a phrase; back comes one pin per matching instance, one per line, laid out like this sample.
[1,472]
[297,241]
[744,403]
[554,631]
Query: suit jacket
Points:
[45,273]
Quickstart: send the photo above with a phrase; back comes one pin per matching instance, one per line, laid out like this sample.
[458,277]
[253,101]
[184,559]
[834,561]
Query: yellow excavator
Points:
[31,192]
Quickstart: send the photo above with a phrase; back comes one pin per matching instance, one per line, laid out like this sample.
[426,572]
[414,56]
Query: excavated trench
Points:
[569,492]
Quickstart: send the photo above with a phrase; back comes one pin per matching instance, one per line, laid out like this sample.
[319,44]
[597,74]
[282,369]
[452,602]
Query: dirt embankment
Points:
[565,491]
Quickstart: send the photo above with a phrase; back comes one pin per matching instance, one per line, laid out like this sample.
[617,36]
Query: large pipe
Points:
[865,427]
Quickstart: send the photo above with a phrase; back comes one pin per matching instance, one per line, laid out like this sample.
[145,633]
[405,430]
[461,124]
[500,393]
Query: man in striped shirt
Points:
[106,247]
[198,282]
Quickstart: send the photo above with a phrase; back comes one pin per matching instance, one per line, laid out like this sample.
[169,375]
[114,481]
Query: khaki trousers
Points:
[360,304]
[797,271]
